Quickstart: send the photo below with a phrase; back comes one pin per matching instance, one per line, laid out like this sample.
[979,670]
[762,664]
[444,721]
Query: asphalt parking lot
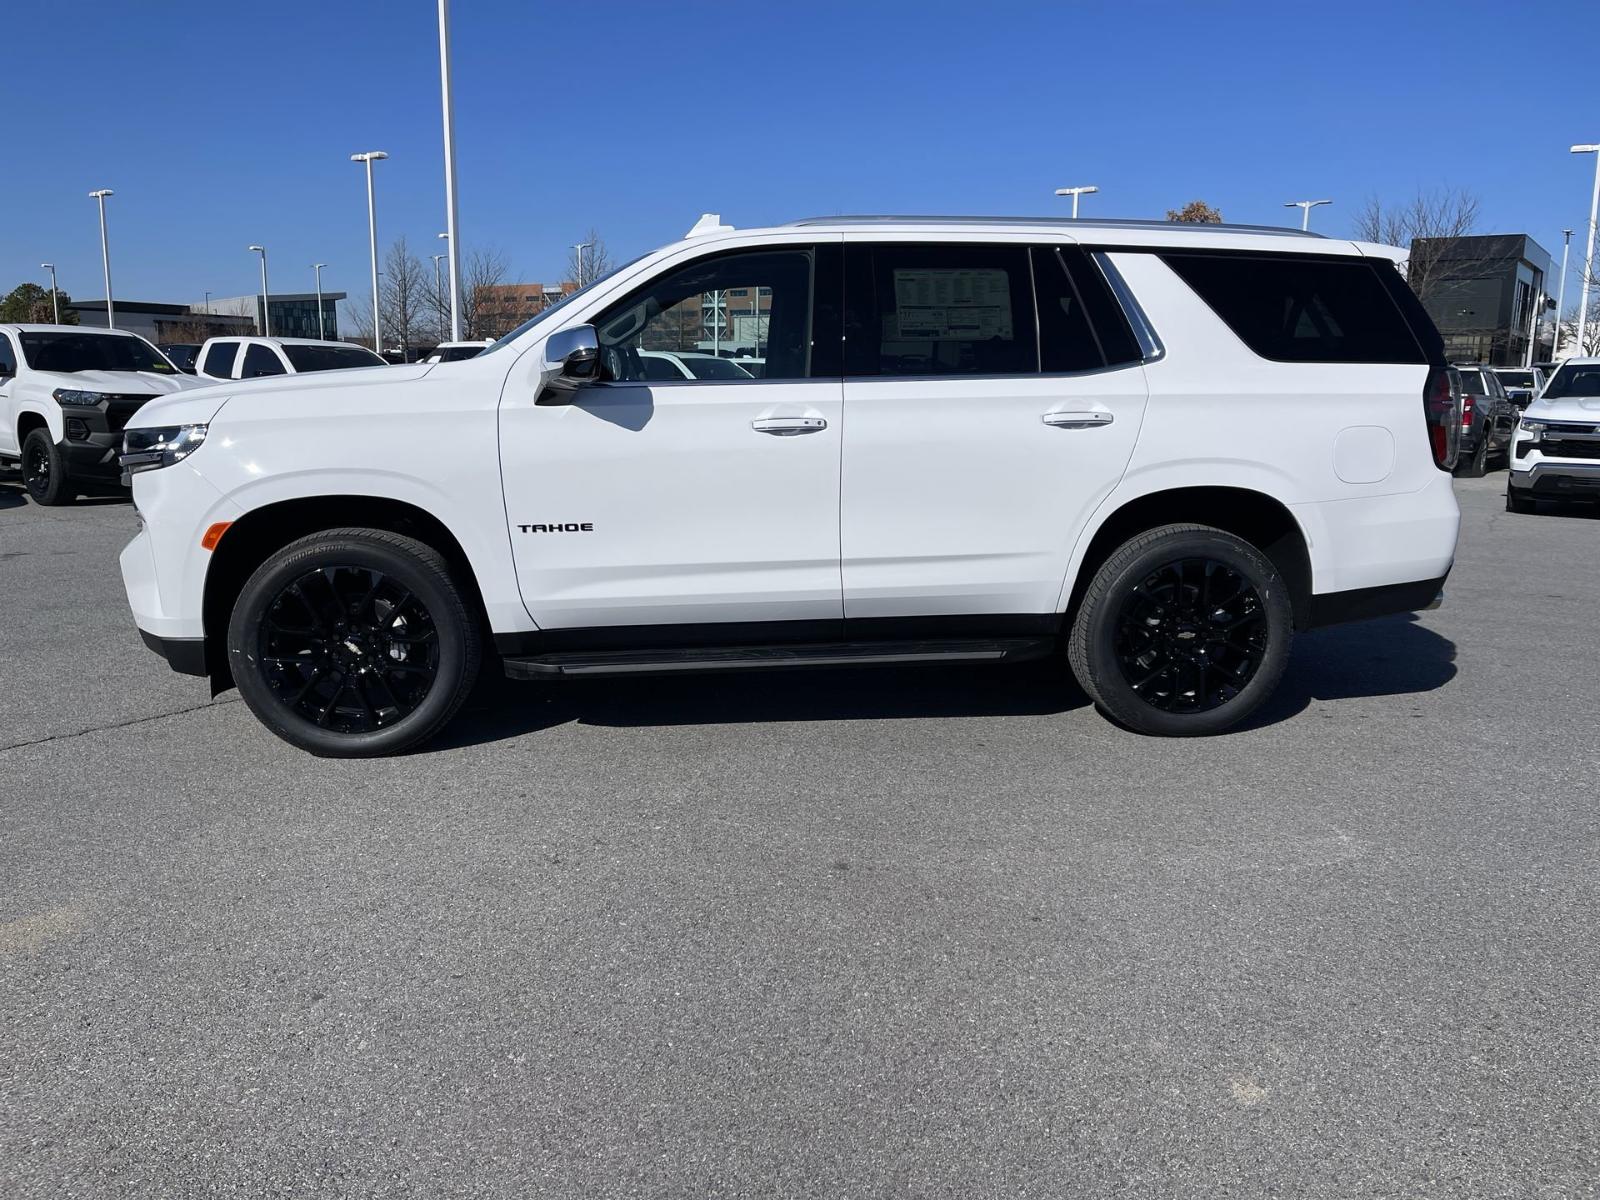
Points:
[916,933]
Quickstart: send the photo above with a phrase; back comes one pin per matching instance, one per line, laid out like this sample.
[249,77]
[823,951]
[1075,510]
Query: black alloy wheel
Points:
[354,642]
[1183,630]
[1190,635]
[349,648]
[44,469]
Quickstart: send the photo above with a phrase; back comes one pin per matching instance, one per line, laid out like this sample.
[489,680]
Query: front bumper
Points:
[187,656]
[1555,477]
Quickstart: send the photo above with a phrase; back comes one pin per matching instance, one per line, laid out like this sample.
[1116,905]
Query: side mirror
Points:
[571,359]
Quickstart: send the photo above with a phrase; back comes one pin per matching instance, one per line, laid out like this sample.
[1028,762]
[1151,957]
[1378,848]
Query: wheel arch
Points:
[1260,519]
[254,537]
[30,419]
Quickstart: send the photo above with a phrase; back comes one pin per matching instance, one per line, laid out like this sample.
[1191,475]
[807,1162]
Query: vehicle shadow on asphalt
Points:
[1388,657]
[11,498]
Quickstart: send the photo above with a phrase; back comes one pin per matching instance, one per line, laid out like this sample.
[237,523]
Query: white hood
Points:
[121,383]
[1564,408]
[201,406]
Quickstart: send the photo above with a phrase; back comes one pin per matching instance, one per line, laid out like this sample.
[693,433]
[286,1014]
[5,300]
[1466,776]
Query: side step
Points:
[576,664]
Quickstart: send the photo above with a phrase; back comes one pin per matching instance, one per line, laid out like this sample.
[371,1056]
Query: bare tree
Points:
[485,268]
[357,319]
[594,261]
[1441,213]
[1196,212]
[403,297]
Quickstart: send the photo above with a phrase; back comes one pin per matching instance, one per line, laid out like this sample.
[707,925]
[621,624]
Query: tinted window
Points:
[8,357]
[219,359]
[1294,309]
[938,310]
[1471,382]
[704,366]
[1573,381]
[686,311]
[1516,379]
[659,366]
[325,358]
[259,361]
[69,352]
[459,353]
[1067,341]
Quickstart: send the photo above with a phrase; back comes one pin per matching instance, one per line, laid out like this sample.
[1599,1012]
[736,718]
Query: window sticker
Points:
[950,305]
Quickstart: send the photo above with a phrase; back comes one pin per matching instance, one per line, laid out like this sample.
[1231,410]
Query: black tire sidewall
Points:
[1477,466]
[457,650]
[56,492]
[1107,683]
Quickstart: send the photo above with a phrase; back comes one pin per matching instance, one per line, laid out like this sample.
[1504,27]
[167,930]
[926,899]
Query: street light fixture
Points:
[1305,207]
[580,248]
[266,317]
[317,267]
[1561,293]
[55,300]
[1075,192]
[100,194]
[369,157]
[1588,255]
[450,222]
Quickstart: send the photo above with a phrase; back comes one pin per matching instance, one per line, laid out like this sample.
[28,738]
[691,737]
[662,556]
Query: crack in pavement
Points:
[61,737]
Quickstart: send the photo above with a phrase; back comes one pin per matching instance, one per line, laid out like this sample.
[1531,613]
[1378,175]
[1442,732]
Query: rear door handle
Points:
[1077,420]
[788,426]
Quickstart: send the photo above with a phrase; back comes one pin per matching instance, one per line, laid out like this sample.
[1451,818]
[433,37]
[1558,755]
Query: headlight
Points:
[159,446]
[1533,427]
[77,399]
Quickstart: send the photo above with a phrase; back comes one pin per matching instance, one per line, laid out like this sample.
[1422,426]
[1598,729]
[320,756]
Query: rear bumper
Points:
[1361,604]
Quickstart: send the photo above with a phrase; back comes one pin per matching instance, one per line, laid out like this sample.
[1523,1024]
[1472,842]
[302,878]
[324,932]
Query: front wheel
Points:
[1516,501]
[353,643]
[1183,631]
[44,469]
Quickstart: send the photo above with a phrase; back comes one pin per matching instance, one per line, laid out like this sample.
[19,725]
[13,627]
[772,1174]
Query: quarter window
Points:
[1295,309]
[219,359]
[8,357]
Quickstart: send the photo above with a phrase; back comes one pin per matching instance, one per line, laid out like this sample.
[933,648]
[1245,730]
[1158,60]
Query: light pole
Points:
[1561,293]
[208,304]
[450,223]
[580,248]
[266,317]
[317,267]
[55,300]
[369,157]
[1588,256]
[1305,207]
[1075,192]
[100,194]
[438,299]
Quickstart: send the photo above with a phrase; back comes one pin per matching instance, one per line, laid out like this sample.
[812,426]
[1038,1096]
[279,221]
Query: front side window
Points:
[938,310]
[8,358]
[259,360]
[72,352]
[1292,308]
[686,314]
[219,359]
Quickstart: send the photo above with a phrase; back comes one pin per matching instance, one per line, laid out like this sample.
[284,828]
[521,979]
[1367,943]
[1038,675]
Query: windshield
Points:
[1516,379]
[710,367]
[68,353]
[502,343]
[1573,381]
[331,358]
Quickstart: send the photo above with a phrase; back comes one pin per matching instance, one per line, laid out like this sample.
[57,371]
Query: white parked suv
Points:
[65,394]
[1555,454]
[256,357]
[1155,450]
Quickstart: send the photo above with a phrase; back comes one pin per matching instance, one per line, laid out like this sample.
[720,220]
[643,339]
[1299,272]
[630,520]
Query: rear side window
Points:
[939,310]
[1295,309]
[219,359]
[8,356]
[1472,382]
[259,361]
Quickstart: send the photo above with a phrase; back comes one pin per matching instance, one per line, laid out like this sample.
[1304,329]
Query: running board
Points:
[584,664]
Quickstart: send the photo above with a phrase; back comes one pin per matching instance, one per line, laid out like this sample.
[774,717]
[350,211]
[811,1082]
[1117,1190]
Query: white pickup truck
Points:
[1555,450]
[65,395]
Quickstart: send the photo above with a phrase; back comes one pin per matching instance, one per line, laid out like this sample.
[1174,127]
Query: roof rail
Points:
[1065,222]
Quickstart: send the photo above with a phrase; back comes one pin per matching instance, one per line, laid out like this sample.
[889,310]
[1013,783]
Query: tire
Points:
[1190,681]
[1477,466]
[313,646]
[44,470]
[1516,502]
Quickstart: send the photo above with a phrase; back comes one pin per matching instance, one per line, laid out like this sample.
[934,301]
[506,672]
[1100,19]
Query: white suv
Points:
[257,357]
[1159,450]
[65,394]
[1555,453]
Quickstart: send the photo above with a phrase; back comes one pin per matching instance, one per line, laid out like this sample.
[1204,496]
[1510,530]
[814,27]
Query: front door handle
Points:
[788,426]
[1077,420]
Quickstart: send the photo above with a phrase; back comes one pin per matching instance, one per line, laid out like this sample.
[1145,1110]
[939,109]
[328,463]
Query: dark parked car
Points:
[182,354]
[1488,418]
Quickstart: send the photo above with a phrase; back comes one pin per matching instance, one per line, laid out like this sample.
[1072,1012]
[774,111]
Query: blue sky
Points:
[223,125]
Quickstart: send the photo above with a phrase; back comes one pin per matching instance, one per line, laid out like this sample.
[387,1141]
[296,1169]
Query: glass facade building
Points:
[1487,296]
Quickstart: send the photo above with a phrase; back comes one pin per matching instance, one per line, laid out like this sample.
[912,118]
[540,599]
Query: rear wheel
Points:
[44,469]
[1477,466]
[353,643]
[1184,630]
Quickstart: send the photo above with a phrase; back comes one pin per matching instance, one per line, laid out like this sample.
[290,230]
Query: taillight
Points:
[1442,409]
[1466,412]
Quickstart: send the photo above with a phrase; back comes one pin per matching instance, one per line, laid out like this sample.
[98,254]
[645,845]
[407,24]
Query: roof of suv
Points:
[278,341]
[47,328]
[878,221]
